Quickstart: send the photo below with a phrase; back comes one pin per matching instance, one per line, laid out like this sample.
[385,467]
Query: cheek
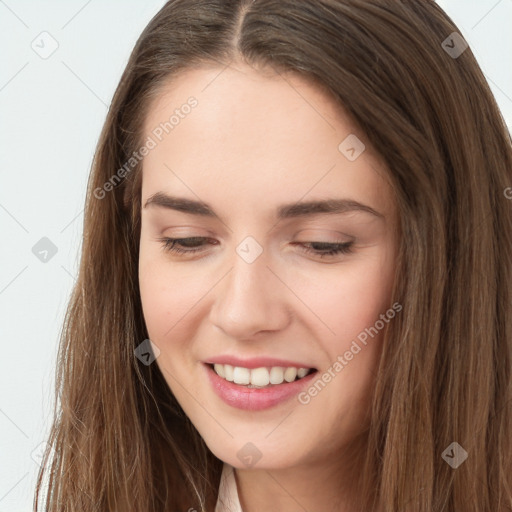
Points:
[155,296]
[168,296]
[350,300]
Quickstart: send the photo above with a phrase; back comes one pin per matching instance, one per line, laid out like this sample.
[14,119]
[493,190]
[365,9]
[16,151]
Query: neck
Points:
[331,485]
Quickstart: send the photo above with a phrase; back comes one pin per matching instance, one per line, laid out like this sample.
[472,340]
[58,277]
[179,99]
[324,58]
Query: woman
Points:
[294,291]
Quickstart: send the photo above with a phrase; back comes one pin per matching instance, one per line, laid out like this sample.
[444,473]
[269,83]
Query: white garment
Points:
[228,500]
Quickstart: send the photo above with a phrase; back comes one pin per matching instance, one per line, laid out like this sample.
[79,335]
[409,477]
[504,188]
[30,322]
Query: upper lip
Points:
[255,362]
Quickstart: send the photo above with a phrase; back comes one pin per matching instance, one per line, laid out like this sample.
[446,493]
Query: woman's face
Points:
[235,157]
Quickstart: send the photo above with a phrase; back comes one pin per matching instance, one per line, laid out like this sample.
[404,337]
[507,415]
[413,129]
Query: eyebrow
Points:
[285,211]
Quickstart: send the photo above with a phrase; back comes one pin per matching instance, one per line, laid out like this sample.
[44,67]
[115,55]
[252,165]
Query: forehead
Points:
[253,136]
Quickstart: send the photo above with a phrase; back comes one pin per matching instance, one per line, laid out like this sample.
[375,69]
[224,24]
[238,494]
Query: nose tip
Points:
[248,301]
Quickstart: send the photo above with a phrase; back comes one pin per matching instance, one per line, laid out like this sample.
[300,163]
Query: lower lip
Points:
[254,399]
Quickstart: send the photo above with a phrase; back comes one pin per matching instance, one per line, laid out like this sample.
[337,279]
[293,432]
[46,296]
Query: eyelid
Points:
[332,235]
[331,250]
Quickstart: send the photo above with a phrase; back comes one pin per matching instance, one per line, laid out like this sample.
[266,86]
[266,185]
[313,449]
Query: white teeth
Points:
[302,372]
[290,374]
[228,372]
[219,368]
[276,375]
[241,375]
[259,377]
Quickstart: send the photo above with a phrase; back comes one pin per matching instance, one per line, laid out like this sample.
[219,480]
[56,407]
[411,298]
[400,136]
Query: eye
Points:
[190,244]
[326,249]
[195,244]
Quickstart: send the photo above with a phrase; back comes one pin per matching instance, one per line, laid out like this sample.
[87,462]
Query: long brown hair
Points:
[121,442]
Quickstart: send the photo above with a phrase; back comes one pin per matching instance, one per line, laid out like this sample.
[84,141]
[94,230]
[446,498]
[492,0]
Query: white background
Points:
[51,112]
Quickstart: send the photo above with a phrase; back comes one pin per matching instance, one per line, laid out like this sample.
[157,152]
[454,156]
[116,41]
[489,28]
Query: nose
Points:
[249,299]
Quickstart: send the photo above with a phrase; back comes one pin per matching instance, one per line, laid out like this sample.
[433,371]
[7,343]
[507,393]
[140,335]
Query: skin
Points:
[257,140]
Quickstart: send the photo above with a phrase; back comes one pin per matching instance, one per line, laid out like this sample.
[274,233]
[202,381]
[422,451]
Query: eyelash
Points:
[170,245]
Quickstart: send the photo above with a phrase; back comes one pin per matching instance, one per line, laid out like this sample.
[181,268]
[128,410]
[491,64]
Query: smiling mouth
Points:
[264,377]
